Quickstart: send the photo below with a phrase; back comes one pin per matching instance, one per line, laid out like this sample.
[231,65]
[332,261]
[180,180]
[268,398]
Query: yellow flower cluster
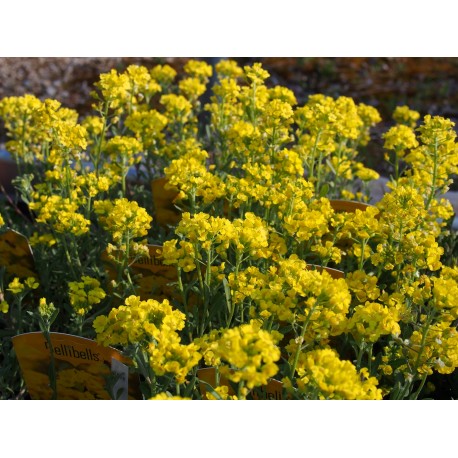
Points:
[256,200]
[148,126]
[125,91]
[407,239]
[445,288]
[124,219]
[167,397]
[436,159]
[329,131]
[307,221]
[44,309]
[84,294]
[42,131]
[404,115]
[372,320]
[16,287]
[61,214]
[290,292]
[170,356]
[155,325]
[400,138]
[245,354]
[137,321]
[435,349]
[363,286]
[177,107]
[189,176]
[123,151]
[324,375]
[93,185]
[163,74]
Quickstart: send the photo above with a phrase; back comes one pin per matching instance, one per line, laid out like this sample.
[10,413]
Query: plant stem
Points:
[301,340]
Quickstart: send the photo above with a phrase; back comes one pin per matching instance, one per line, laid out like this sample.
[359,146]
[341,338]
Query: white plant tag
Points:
[121,371]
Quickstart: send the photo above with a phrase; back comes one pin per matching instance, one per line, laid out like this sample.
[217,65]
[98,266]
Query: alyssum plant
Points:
[240,213]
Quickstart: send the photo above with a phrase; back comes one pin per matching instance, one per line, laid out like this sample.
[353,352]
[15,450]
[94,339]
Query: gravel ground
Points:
[67,79]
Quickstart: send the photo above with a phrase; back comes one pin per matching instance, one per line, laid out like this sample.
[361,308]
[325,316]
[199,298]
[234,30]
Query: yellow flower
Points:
[168,397]
[222,392]
[46,239]
[192,88]
[123,218]
[189,175]
[363,285]
[169,356]
[256,74]
[44,309]
[366,174]
[85,294]
[369,115]
[163,74]
[404,115]
[248,354]
[228,68]
[61,214]
[31,283]
[322,370]
[16,286]
[148,126]
[400,138]
[284,94]
[138,322]
[372,320]
[198,69]
[434,350]
[93,125]
[4,307]
[177,107]
[124,150]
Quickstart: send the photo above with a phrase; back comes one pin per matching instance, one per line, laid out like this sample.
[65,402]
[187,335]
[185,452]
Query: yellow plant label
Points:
[165,211]
[149,273]
[83,368]
[272,391]
[348,206]
[16,255]
[335,273]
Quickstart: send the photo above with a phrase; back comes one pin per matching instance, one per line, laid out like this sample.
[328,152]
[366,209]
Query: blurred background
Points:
[429,85]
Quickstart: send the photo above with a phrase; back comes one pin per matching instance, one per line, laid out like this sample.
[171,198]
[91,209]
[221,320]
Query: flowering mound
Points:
[249,265]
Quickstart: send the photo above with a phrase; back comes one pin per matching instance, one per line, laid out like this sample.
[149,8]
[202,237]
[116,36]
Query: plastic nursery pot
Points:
[8,170]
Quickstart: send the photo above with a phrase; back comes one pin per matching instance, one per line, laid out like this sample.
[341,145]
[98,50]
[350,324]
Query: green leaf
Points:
[324,190]
[227,293]
[211,389]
